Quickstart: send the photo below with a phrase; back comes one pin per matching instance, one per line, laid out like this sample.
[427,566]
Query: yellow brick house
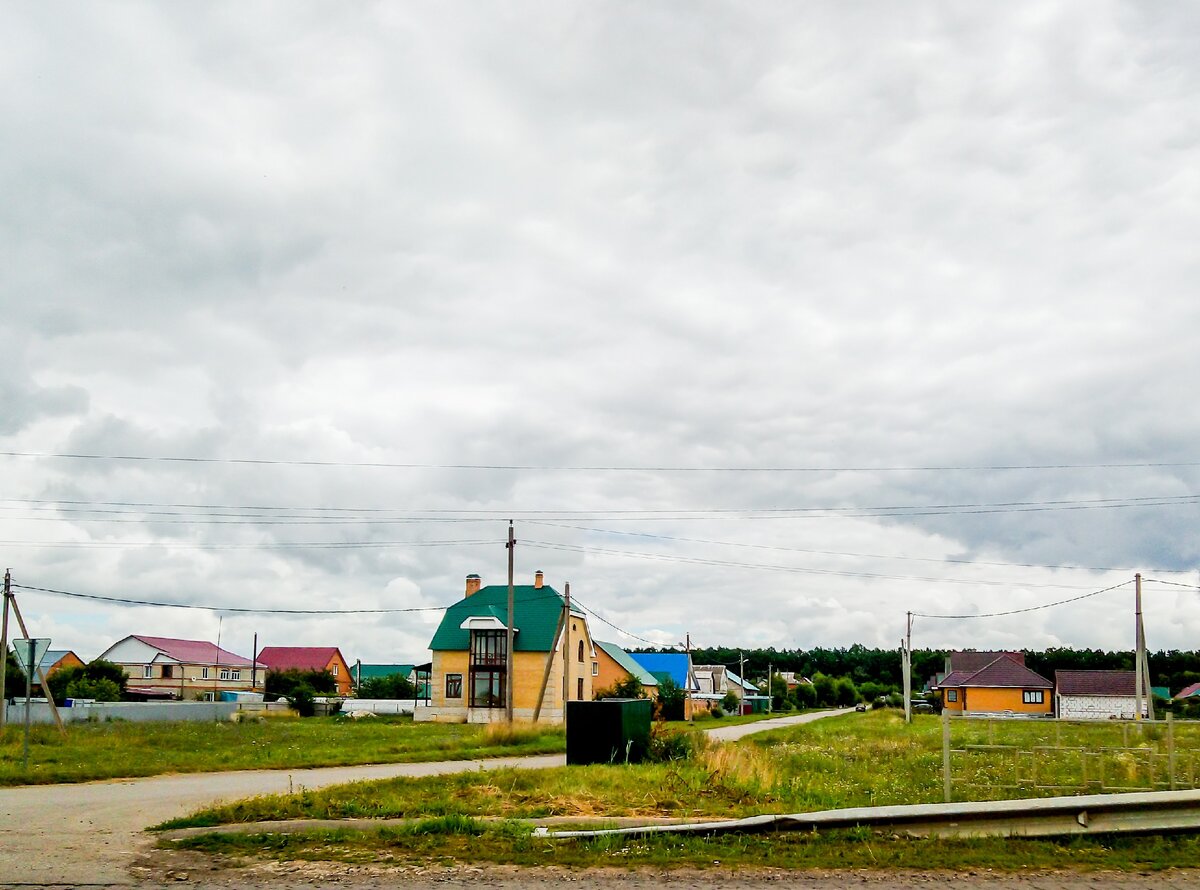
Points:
[551,656]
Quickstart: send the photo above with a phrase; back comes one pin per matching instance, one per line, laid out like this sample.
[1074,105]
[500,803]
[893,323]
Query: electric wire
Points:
[599,467]
[1073,599]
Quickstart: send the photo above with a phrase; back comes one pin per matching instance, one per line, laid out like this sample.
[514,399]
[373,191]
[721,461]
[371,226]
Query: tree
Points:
[804,695]
[14,679]
[824,687]
[844,693]
[61,680]
[630,687]
[302,699]
[671,698]
[393,686]
[730,702]
[99,689]
[281,684]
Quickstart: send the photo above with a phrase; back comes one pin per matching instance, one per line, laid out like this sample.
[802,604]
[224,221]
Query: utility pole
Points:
[508,649]
[741,681]
[4,649]
[906,665]
[1138,653]
[769,699]
[566,651]
[253,665]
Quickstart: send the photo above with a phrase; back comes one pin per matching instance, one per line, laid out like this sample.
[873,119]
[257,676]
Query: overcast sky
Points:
[779,258]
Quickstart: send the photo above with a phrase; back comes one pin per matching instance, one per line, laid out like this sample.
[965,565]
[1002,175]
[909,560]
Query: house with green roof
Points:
[615,665]
[553,656]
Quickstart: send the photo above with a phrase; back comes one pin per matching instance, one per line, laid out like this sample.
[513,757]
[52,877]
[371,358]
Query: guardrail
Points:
[1153,811]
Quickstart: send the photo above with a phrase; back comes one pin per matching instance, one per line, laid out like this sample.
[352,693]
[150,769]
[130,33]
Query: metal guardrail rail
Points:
[1147,812]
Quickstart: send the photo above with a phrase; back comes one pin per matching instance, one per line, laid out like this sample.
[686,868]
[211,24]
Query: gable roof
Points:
[733,678]
[537,611]
[1188,691]
[53,657]
[971,661]
[628,663]
[301,658]
[954,679]
[1004,672]
[676,665]
[193,651]
[1122,683]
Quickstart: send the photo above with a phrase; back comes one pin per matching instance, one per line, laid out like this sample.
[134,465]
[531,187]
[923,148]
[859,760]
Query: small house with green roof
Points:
[553,656]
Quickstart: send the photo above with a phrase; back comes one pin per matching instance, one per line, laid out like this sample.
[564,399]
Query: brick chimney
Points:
[473,583]
[537,578]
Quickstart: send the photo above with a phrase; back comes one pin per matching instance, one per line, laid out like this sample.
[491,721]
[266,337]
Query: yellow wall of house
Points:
[342,675]
[610,673]
[447,663]
[985,698]
[952,705]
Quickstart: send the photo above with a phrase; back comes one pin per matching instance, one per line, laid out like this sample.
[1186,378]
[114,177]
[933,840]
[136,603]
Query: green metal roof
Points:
[371,671]
[536,617]
[625,660]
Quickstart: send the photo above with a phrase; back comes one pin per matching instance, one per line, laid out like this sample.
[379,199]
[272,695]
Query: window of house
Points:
[595,669]
[148,672]
[487,689]
[1033,696]
[230,674]
[951,695]
[203,673]
[453,685]
[167,671]
[579,688]
[334,670]
[581,651]
[489,660]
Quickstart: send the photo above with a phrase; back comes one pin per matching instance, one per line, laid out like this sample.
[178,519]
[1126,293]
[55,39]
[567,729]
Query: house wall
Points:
[1099,707]
[187,681]
[989,699]
[341,673]
[957,704]
[67,661]
[610,673]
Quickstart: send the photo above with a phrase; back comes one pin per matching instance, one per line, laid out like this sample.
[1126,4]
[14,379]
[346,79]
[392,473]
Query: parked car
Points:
[922,707]
[861,707]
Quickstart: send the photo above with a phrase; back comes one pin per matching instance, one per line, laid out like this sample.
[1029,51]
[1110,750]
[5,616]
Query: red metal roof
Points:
[1188,691]
[974,661]
[303,658]
[1005,672]
[1096,683]
[193,651]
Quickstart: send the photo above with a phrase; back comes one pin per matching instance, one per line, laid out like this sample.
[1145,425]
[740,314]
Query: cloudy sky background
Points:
[792,257]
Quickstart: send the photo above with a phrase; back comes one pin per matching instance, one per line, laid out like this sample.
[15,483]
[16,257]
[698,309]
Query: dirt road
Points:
[91,833]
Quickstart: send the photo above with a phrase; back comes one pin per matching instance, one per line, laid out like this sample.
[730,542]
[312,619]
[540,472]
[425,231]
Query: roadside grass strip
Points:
[124,750]
[850,761]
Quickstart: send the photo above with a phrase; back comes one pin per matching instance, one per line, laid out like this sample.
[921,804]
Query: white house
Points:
[1097,695]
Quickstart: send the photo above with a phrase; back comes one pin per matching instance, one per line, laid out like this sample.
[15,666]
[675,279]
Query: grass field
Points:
[861,759]
[119,750]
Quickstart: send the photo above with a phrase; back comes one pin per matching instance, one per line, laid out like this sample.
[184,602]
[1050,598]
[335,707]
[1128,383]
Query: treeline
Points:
[1172,668]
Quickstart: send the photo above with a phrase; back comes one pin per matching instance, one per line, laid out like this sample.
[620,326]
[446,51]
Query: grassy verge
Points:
[103,750]
[461,839]
[705,720]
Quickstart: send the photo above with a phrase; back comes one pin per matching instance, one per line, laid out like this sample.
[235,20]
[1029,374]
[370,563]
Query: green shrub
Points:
[731,703]
[302,699]
[101,689]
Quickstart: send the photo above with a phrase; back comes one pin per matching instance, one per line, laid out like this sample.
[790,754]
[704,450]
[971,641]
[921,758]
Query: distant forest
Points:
[1174,669]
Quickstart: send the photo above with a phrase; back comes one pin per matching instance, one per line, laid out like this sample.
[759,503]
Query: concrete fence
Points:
[133,712]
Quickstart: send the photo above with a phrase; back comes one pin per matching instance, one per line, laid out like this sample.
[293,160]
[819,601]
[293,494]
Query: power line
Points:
[1073,599]
[192,545]
[969,562]
[621,630]
[597,468]
[1171,583]
[573,548]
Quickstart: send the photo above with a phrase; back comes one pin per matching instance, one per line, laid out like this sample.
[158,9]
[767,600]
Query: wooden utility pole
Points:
[769,698]
[253,665]
[508,649]
[1138,653]
[41,671]
[4,648]
[906,665]
[566,651]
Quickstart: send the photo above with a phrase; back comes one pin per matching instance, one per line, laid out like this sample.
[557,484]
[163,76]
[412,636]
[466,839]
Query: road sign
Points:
[21,649]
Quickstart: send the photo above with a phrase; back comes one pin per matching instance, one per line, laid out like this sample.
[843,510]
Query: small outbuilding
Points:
[1097,695]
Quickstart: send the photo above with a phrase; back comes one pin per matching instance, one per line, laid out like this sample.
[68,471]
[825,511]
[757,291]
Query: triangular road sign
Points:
[21,649]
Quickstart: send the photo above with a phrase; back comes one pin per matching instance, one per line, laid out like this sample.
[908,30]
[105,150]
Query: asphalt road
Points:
[91,833]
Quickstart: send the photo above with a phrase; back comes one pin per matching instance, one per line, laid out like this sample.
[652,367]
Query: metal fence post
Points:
[1171,747]
[946,755]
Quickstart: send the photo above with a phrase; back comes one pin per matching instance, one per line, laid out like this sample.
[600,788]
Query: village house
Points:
[163,667]
[1098,695]
[1002,686]
[308,658]
[553,656]
[614,665]
[674,665]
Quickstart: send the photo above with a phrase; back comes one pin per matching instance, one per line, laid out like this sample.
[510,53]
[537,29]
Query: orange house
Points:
[1002,686]
[308,658]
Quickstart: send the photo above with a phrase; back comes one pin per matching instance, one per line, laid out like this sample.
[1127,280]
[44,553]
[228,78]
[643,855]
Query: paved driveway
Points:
[90,833]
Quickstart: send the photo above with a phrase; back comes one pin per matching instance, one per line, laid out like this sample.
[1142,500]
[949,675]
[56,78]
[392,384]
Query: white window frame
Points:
[148,672]
[203,673]
[225,674]
[595,669]
[951,695]
[1033,696]
[335,669]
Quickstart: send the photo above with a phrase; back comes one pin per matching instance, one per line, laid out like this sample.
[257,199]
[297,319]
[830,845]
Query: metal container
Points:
[611,730]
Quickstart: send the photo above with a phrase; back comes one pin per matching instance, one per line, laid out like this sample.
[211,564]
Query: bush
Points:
[671,699]
[101,689]
[302,699]
[61,681]
[731,703]
[14,679]
[667,745]
[631,687]
[283,684]
[716,711]
[393,686]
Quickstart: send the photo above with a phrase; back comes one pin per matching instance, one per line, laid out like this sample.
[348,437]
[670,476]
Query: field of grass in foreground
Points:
[121,750]
[460,839]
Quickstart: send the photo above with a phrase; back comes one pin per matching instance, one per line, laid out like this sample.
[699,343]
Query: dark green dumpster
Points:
[611,730]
